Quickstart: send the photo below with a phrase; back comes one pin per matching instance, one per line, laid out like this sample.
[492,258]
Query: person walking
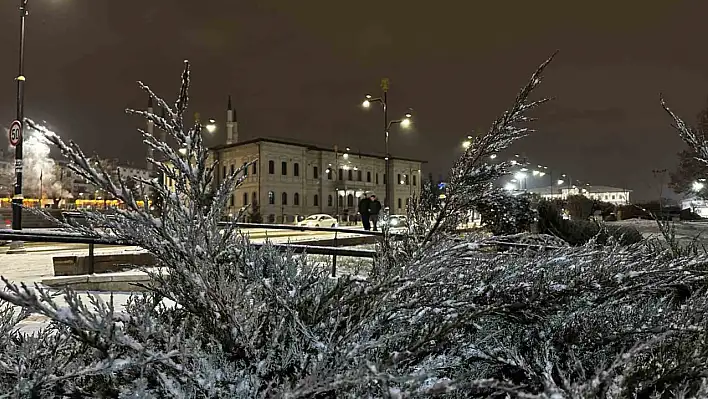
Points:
[364,205]
[374,210]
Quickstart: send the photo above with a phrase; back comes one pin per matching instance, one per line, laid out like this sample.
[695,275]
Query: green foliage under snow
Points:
[434,315]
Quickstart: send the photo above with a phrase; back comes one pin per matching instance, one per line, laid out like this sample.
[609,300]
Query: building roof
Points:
[590,189]
[604,189]
[304,145]
[545,190]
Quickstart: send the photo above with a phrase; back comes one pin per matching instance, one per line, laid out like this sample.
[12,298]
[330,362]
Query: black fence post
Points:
[334,257]
[90,259]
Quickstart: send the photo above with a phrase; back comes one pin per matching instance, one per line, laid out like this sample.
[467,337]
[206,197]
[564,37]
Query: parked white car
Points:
[397,221]
[319,220]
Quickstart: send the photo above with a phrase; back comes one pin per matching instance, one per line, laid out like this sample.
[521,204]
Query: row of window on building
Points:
[350,200]
[350,174]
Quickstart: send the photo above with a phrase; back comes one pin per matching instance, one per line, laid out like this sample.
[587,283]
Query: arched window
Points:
[340,200]
[245,199]
[296,169]
[284,168]
[254,198]
[284,199]
[296,199]
[271,198]
[350,200]
[330,202]
[399,204]
[316,200]
[271,167]
[254,168]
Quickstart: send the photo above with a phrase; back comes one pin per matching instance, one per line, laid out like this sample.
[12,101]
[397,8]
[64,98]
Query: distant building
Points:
[291,179]
[697,205]
[613,195]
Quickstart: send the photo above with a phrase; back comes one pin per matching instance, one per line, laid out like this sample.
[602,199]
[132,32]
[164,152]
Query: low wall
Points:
[31,220]
[79,265]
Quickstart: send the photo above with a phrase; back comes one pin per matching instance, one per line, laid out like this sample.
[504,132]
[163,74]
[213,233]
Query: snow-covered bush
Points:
[433,316]
[505,214]
[581,232]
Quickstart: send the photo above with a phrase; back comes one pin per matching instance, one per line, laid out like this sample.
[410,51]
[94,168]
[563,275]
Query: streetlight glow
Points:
[560,181]
[492,156]
[510,187]
[520,175]
[366,104]
[466,144]
[406,122]
[698,186]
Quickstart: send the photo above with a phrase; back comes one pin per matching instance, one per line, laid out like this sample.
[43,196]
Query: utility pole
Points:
[660,174]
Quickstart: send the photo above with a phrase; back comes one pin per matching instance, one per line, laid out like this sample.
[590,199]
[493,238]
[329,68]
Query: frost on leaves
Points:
[448,319]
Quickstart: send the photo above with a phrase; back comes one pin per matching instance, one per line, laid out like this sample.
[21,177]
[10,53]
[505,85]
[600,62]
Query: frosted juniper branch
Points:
[503,132]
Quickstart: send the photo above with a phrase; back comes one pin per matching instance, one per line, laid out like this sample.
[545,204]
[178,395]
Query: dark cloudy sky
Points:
[298,69]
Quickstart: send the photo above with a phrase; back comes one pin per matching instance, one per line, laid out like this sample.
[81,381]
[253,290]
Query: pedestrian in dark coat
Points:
[374,210]
[364,205]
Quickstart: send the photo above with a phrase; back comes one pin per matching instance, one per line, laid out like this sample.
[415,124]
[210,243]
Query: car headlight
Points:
[394,222]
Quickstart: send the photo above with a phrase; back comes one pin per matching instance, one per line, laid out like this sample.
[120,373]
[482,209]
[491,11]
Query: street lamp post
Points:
[405,122]
[17,197]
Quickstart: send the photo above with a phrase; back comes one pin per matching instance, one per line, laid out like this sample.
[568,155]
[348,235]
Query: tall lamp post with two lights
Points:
[404,122]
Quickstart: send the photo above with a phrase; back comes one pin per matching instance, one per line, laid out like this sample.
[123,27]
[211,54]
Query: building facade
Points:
[612,195]
[288,180]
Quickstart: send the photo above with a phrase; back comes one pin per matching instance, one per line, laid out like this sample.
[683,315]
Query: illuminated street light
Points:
[698,186]
[520,175]
[510,187]
[405,122]
[211,126]
[367,102]
[560,181]
[492,156]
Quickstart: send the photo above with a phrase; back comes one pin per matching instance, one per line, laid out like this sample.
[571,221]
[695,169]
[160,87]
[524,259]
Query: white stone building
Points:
[613,195]
[697,205]
[290,179]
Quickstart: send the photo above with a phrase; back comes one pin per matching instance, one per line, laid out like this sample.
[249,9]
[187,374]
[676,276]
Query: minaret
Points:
[163,134]
[231,124]
[150,127]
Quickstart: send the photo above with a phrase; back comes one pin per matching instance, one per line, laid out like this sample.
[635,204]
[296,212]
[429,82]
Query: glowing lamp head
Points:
[510,187]
[560,181]
[698,186]
[520,175]
[406,122]
[466,144]
[492,156]
[367,101]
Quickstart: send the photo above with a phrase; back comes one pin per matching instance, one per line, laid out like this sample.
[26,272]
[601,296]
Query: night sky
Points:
[299,69]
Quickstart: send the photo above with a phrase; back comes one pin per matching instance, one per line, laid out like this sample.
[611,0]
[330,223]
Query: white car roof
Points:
[320,214]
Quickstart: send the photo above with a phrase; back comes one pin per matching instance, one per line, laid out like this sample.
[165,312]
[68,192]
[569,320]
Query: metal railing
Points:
[72,238]
[271,226]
